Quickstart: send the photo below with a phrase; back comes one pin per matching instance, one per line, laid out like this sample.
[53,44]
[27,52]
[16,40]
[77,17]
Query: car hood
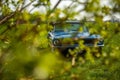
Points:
[72,34]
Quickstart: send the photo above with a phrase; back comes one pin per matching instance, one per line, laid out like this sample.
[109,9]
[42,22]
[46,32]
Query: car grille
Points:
[85,41]
[89,41]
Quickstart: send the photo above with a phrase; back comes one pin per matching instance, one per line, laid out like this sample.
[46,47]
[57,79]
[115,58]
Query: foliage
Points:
[24,50]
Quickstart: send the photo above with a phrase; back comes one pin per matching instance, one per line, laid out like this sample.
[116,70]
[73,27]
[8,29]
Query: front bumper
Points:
[76,45]
[90,42]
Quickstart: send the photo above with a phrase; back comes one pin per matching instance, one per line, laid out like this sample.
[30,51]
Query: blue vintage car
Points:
[68,34]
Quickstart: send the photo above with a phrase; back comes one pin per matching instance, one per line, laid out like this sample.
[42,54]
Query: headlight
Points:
[56,42]
[101,41]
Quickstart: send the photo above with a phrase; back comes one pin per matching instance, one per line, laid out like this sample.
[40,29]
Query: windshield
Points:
[68,27]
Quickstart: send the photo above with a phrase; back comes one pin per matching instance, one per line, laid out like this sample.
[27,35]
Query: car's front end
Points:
[72,42]
[71,37]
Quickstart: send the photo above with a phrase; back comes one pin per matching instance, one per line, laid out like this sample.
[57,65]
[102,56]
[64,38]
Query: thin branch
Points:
[26,5]
[79,2]
[54,7]
[81,10]
[23,3]
[31,9]
[7,17]
[70,5]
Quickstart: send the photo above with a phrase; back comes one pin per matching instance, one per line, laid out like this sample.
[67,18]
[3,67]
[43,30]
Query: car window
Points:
[74,27]
[69,27]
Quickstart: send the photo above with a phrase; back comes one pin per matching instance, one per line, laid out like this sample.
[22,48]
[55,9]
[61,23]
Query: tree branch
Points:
[26,5]
[81,2]
[9,16]
[54,7]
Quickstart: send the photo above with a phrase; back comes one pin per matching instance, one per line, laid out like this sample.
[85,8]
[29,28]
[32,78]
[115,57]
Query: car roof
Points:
[66,22]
